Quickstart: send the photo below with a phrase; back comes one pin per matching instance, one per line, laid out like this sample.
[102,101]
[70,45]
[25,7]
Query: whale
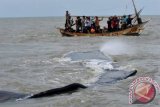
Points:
[111,76]
[68,89]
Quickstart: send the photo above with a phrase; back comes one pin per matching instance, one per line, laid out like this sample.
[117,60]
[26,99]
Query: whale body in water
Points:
[113,77]
[108,77]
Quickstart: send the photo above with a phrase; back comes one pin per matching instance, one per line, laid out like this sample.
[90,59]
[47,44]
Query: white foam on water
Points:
[98,67]
[24,98]
[62,60]
[126,68]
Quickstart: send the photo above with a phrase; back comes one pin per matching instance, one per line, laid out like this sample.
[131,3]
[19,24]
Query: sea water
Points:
[35,57]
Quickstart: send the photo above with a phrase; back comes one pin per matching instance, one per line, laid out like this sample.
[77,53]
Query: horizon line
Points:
[64,16]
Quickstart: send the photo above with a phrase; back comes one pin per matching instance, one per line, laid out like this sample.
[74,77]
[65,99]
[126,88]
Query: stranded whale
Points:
[111,77]
[97,59]
[105,79]
[6,96]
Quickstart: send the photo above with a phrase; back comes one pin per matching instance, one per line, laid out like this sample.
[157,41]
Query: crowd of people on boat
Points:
[87,24]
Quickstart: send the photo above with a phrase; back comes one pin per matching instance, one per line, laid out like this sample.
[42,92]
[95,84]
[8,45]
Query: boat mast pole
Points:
[135,8]
[137,14]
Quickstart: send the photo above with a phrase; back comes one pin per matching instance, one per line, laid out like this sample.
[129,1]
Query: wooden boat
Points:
[134,30]
[131,31]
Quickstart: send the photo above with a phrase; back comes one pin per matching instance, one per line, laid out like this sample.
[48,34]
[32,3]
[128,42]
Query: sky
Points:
[42,8]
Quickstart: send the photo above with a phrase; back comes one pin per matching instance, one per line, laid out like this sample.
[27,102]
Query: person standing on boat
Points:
[115,23]
[83,23]
[78,24]
[109,24]
[97,25]
[124,22]
[87,25]
[69,25]
[67,20]
[129,21]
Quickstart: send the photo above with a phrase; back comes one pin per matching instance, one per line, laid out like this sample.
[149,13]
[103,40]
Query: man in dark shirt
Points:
[129,21]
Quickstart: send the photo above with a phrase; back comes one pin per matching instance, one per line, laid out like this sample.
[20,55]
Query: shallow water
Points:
[32,59]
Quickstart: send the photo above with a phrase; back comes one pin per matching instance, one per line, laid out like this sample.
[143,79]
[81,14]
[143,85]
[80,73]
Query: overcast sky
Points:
[35,8]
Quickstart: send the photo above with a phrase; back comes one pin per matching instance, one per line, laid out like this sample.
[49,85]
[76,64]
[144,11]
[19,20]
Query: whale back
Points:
[62,90]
